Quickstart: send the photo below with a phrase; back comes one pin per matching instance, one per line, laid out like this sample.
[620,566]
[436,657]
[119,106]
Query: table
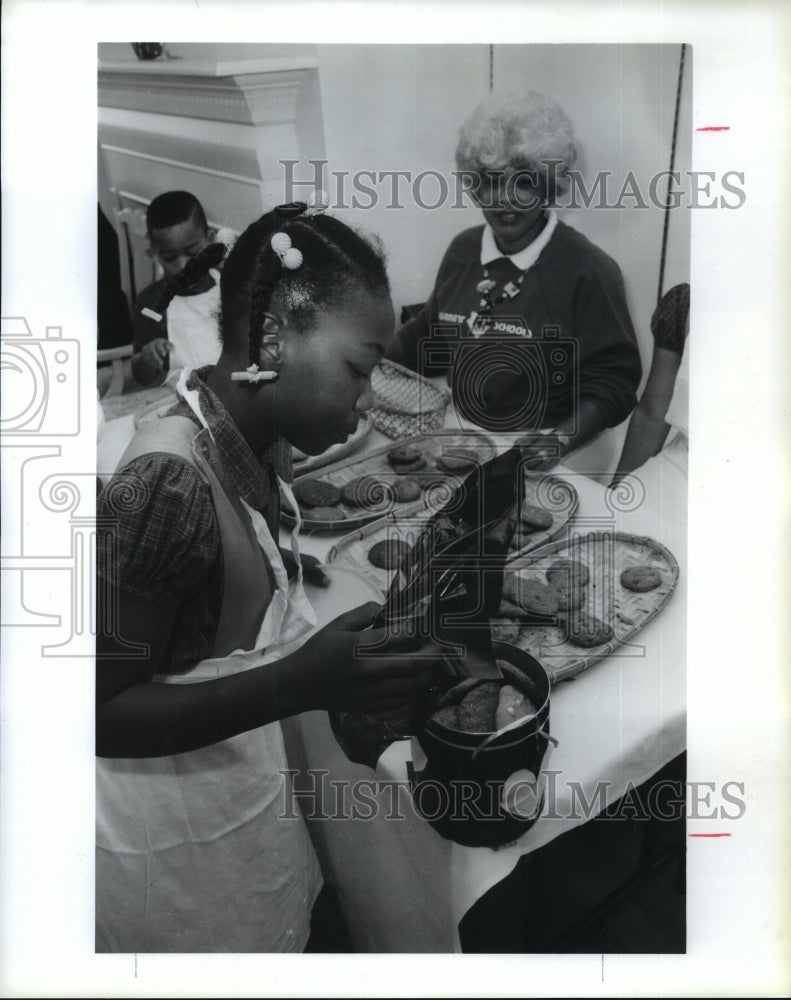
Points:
[404,888]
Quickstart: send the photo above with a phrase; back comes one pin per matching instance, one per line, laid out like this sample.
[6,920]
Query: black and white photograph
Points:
[408,295]
[374,500]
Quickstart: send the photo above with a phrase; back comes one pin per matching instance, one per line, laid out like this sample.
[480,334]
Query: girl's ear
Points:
[272,324]
[266,360]
[269,355]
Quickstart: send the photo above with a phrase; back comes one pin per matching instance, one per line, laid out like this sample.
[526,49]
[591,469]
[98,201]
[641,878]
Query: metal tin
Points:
[463,788]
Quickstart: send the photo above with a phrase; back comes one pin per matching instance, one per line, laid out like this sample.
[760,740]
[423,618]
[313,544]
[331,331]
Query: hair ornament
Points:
[253,374]
[151,314]
[290,257]
[227,237]
[318,203]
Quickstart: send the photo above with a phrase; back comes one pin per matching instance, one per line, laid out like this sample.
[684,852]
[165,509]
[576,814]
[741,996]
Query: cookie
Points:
[404,455]
[586,631]
[367,492]
[529,594]
[322,514]
[407,490]
[570,597]
[457,460]
[641,578]
[512,705]
[405,468]
[316,493]
[523,537]
[538,598]
[447,716]
[505,630]
[568,572]
[535,517]
[388,554]
[511,584]
[478,708]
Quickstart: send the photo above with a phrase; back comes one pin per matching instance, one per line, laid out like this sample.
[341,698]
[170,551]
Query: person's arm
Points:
[610,367]
[647,428]
[544,451]
[151,345]
[159,551]
[136,717]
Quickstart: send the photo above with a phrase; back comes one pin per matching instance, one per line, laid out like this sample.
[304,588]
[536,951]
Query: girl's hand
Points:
[312,571]
[354,667]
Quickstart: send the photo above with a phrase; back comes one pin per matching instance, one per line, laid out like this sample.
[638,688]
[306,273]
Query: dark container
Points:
[476,789]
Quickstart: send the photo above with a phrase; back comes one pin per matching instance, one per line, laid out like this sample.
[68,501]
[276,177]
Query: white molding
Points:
[250,99]
[181,165]
[206,68]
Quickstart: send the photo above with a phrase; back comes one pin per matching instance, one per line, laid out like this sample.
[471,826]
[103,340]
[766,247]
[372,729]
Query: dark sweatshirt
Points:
[565,336]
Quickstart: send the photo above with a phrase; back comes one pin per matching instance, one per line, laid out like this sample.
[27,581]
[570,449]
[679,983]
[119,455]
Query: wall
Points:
[399,107]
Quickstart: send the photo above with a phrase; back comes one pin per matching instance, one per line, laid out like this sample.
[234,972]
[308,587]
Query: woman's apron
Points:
[204,851]
[193,329]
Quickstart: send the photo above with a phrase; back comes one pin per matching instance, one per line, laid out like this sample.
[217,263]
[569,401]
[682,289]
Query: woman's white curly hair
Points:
[529,131]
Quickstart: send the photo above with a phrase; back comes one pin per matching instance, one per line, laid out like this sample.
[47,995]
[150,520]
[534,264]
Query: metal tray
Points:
[437,484]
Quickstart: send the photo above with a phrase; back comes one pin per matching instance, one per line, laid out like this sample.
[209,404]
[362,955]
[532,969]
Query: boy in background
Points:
[175,318]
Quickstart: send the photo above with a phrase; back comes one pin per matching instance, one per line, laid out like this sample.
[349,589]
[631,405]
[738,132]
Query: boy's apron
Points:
[193,328]
[204,851]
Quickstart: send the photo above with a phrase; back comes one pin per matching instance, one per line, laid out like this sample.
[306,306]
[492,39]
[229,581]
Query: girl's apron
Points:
[193,329]
[205,851]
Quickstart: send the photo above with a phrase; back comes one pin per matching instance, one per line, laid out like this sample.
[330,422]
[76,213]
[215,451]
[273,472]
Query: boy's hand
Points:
[154,353]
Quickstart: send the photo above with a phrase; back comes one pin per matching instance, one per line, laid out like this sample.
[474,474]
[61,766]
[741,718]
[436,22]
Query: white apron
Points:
[193,852]
[193,329]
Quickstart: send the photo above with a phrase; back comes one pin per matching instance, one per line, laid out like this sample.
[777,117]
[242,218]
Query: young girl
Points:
[196,654]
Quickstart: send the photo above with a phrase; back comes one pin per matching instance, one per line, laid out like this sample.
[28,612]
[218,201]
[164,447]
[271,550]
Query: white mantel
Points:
[212,122]
[249,91]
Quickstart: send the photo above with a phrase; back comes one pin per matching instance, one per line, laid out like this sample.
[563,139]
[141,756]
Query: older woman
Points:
[527,317]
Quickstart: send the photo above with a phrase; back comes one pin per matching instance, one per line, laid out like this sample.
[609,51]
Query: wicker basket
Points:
[406,404]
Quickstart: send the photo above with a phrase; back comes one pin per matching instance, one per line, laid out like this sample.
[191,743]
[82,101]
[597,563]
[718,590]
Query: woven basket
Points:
[406,404]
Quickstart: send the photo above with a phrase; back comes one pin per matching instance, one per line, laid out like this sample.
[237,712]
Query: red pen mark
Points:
[714,128]
[708,835]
